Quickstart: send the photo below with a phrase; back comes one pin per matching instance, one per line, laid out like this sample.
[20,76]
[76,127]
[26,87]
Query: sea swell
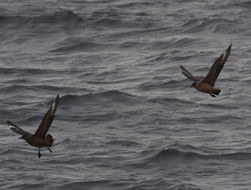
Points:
[64,16]
[126,117]
[84,46]
[176,155]
[108,96]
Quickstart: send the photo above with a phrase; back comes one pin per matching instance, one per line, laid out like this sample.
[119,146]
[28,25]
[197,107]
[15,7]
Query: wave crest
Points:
[64,16]
[82,46]
[172,153]
[110,96]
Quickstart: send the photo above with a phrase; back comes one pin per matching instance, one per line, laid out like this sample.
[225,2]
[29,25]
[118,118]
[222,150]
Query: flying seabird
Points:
[207,84]
[39,139]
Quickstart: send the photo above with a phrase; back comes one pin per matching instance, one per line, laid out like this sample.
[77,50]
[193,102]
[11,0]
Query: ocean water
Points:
[127,118]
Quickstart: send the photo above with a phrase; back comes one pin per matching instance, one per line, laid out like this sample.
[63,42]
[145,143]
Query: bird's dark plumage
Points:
[39,139]
[207,85]
[188,74]
[216,68]
[47,120]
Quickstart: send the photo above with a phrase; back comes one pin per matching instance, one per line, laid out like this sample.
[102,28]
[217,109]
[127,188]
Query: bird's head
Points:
[49,139]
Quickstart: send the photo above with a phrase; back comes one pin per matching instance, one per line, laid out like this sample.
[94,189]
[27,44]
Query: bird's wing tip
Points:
[12,126]
[9,123]
[182,67]
[57,98]
[229,47]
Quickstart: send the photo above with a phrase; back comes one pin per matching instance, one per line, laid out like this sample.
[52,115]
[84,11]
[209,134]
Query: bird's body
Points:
[39,139]
[207,84]
[206,88]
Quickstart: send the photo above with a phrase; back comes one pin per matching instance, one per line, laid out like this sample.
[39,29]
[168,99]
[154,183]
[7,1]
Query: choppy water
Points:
[127,118]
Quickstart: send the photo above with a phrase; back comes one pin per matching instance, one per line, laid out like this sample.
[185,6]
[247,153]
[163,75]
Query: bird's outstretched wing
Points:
[187,74]
[216,68]
[47,120]
[17,129]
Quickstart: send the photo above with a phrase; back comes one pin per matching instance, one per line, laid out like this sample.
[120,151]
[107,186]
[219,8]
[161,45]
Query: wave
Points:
[25,185]
[117,17]
[186,186]
[125,143]
[181,155]
[161,85]
[209,24]
[130,44]
[173,55]
[95,184]
[134,33]
[64,16]
[109,96]
[29,71]
[82,46]
[176,101]
[177,42]
[61,16]
[135,4]
[43,88]
[3,18]
[243,4]
[15,88]
[22,152]
[148,183]
[170,44]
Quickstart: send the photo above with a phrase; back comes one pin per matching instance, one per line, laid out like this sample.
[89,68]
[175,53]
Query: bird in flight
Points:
[207,84]
[39,139]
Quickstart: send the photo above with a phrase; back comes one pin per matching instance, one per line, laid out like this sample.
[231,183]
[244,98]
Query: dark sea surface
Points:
[127,118]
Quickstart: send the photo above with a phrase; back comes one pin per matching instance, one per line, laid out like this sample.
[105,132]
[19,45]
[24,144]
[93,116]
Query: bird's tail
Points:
[216,91]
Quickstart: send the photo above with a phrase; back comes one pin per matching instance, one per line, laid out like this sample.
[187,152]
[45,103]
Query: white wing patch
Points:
[53,106]
[225,54]
[16,130]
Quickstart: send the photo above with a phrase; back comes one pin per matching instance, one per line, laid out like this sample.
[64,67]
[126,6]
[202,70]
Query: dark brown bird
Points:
[39,139]
[207,84]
